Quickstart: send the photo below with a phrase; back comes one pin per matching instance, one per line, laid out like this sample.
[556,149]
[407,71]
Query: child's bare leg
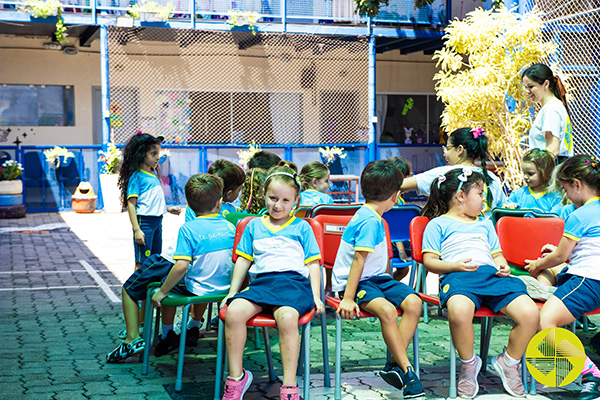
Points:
[526,317]
[548,276]
[167,315]
[412,307]
[289,342]
[130,312]
[554,313]
[460,317]
[198,311]
[388,317]
[238,313]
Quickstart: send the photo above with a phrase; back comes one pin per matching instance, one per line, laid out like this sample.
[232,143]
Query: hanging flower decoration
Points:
[244,156]
[330,154]
[111,159]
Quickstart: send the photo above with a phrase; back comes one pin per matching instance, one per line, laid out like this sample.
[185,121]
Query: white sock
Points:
[166,329]
[192,323]
[510,360]
[470,360]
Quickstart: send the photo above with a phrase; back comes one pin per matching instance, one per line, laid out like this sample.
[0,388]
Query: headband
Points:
[441,179]
[463,178]
[295,177]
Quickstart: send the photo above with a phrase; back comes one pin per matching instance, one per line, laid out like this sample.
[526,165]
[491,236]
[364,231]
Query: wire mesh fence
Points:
[574,28]
[196,87]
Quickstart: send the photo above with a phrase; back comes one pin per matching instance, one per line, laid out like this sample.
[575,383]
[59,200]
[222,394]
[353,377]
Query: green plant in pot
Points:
[151,11]
[45,9]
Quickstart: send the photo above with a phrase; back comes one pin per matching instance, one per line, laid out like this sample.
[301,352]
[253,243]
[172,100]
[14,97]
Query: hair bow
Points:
[463,178]
[593,162]
[441,179]
[477,132]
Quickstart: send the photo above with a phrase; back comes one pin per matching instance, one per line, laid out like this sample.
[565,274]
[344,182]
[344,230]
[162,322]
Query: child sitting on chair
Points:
[537,166]
[361,270]
[465,251]
[209,273]
[314,177]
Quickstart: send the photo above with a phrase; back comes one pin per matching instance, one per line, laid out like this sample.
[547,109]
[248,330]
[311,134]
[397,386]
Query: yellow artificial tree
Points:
[479,80]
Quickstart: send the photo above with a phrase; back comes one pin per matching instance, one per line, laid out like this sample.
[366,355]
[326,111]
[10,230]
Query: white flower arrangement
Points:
[10,170]
[53,156]
[245,155]
[330,154]
[163,12]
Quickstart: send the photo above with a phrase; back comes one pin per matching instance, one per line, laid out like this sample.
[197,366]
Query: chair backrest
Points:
[499,212]
[234,217]
[301,212]
[417,228]
[399,218]
[239,230]
[333,227]
[522,238]
[333,209]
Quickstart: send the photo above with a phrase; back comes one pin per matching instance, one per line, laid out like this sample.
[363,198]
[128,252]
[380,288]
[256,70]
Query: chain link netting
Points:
[204,87]
[573,26]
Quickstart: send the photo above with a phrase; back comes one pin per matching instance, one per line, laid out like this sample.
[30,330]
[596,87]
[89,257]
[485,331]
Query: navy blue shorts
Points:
[578,294]
[154,269]
[382,286]
[152,228]
[279,289]
[483,287]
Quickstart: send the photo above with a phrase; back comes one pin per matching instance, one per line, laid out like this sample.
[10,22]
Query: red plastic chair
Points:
[266,320]
[333,226]
[417,228]
[333,209]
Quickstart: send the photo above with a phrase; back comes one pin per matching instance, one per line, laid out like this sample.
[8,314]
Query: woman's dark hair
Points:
[476,146]
[541,73]
[544,161]
[442,193]
[402,164]
[582,167]
[232,174]
[133,157]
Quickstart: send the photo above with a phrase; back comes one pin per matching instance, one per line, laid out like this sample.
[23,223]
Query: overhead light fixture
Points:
[52,46]
[124,22]
[71,51]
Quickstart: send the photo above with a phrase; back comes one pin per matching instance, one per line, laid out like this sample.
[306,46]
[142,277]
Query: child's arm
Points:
[433,263]
[175,275]
[174,210]
[314,275]
[239,274]
[348,307]
[500,261]
[558,256]
[138,234]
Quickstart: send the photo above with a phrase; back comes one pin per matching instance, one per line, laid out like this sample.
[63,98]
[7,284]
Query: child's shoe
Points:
[412,386]
[234,390]
[192,336]
[536,289]
[392,374]
[125,350]
[468,387]
[510,375]
[289,393]
[167,345]
[590,389]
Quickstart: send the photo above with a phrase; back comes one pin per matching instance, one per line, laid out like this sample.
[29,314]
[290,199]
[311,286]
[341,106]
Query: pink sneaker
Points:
[467,381]
[234,390]
[289,393]
[510,375]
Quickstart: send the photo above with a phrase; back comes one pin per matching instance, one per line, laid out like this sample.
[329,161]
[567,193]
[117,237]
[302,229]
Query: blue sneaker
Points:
[392,375]
[412,386]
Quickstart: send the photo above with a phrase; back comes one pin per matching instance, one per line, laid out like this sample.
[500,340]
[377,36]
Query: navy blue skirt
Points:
[483,287]
[279,289]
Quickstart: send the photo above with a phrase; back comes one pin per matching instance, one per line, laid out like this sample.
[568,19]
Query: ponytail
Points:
[541,73]
[444,188]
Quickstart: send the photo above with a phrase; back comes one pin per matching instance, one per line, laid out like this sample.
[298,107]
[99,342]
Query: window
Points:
[411,119]
[37,105]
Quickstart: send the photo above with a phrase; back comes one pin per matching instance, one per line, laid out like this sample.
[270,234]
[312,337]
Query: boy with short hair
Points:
[361,270]
[209,273]
[263,159]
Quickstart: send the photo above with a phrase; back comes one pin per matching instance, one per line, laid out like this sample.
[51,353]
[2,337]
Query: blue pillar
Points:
[372,93]
[284,15]
[104,86]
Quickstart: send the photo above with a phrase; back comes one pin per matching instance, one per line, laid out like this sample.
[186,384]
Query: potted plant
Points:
[246,19]
[329,155]
[151,11]
[45,9]
[109,177]
[58,156]
[11,190]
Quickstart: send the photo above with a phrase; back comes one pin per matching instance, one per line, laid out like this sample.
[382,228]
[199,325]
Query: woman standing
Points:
[551,129]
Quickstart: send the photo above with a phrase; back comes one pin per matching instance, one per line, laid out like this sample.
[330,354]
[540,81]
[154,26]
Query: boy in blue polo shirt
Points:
[200,265]
[361,270]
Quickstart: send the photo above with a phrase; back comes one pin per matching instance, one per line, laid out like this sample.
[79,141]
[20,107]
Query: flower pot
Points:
[150,16]
[111,195]
[11,187]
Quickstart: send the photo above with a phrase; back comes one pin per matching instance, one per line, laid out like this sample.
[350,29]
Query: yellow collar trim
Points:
[536,195]
[592,199]
[149,173]
[207,216]
[370,207]
[460,220]
[273,228]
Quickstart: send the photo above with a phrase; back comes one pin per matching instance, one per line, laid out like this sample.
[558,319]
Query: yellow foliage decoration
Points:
[480,67]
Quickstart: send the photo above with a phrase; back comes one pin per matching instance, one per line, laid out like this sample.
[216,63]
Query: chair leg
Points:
[301,352]
[184,317]
[326,377]
[416,353]
[337,393]
[452,393]
[413,275]
[306,339]
[272,376]
[208,317]
[257,344]
[147,333]
[157,324]
[220,358]
[486,336]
